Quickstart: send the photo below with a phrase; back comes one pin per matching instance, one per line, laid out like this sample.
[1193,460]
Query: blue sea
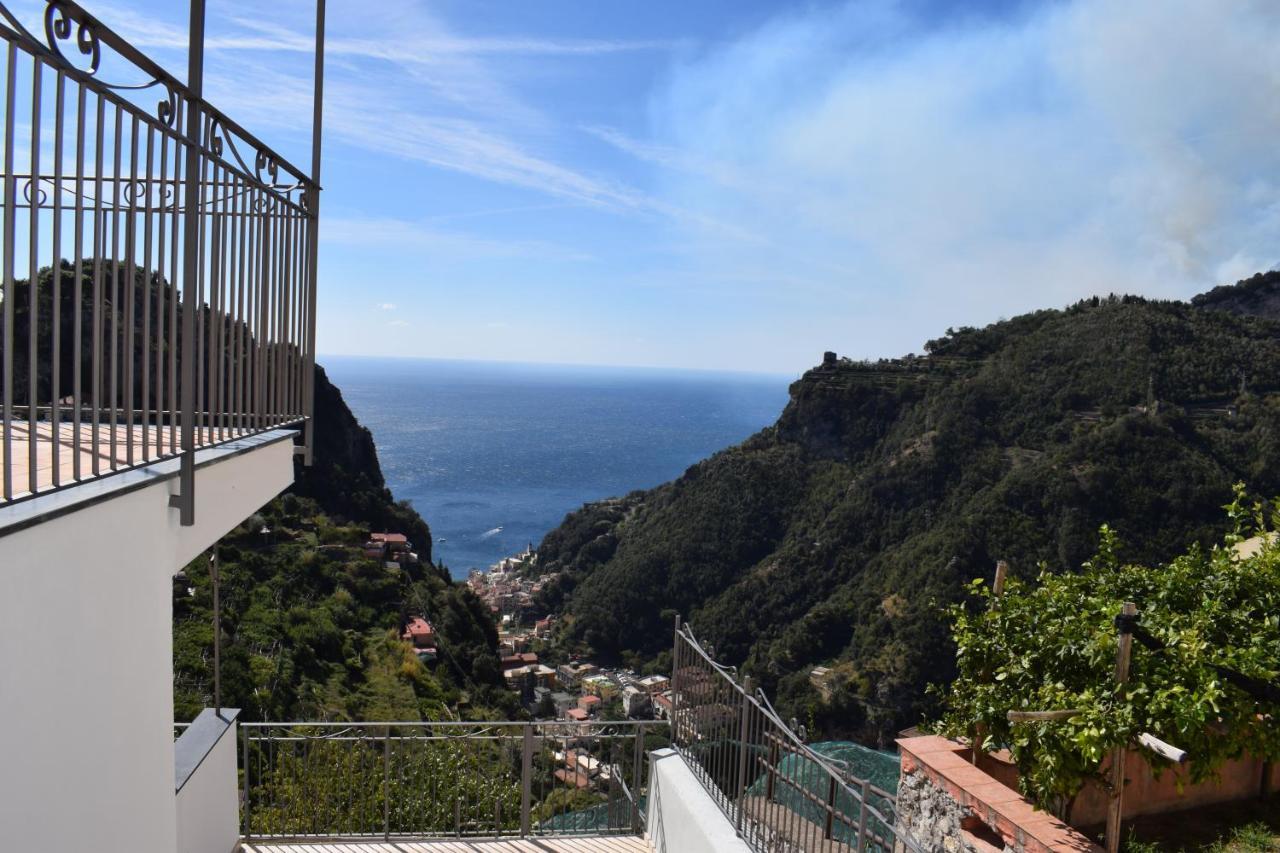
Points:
[494,455]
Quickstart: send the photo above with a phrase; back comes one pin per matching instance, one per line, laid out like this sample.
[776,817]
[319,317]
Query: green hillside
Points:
[310,624]
[836,536]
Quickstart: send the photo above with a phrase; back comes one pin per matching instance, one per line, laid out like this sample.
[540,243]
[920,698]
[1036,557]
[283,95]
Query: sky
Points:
[743,185]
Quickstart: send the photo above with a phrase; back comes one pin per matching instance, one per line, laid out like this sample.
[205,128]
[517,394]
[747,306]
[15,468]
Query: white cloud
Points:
[386,306]
[938,174]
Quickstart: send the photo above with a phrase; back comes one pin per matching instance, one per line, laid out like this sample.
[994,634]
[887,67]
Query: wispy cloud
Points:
[958,172]
[414,237]
[386,306]
[256,34]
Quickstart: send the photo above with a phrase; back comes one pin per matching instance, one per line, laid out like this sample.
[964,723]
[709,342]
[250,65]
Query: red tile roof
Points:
[569,777]
[419,632]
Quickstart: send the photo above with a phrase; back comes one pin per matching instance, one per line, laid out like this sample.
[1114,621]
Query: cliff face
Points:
[346,478]
[835,536]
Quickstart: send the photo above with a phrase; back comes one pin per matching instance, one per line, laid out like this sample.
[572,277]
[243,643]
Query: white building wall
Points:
[86,658]
[680,816]
[209,800]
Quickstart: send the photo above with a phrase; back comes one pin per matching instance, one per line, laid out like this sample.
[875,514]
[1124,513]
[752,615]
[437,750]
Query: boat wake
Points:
[491,533]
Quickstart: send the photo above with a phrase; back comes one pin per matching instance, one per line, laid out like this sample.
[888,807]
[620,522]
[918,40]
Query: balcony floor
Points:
[109,447]
[611,844]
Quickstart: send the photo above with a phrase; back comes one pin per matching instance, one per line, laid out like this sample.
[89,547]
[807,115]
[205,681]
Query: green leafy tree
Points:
[1051,645]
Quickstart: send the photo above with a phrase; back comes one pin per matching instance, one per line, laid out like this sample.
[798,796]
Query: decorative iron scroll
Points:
[66,23]
[57,27]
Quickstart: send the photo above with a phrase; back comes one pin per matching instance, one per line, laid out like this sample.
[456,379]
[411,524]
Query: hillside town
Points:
[574,689]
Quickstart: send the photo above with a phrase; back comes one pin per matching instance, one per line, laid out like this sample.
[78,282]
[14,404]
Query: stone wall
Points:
[950,805]
[933,818]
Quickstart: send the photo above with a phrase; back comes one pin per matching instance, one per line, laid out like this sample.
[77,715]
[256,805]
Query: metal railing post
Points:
[244,752]
[313,237]
[386,784]
[772,767]
[637,777]
[526,780]
[862,815]
[829,824]
[743,734]
[185,500]
[675,686]
[217,633]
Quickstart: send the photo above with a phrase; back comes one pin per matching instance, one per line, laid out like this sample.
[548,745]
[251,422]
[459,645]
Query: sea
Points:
[494,455]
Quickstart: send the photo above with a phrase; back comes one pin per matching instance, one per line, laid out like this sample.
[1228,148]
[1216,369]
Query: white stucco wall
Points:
[208,801]
[86,659]
[680,816]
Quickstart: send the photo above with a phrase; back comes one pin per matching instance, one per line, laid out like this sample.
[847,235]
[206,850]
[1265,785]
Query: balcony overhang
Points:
[165,473]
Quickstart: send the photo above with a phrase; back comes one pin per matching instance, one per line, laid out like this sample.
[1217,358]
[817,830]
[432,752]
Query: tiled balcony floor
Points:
[159,441]
[615,844]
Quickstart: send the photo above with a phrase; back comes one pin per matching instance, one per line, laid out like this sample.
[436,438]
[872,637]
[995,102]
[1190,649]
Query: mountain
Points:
[835,536]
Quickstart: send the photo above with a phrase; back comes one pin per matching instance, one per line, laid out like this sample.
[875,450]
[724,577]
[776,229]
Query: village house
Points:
[571,674]
[635,701]
[563,702]
[420,632]
[600,685]
[820,678]
[531,676]
[390,548]
[523,659]
[422,635]
[590,704]
[654,684]
[662,705]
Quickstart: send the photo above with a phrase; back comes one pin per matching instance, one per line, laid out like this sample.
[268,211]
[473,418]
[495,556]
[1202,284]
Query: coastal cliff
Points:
[311,623]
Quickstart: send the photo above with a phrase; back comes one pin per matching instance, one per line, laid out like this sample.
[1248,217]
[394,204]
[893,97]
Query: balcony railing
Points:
[159,262]
[780,794]
[416,780]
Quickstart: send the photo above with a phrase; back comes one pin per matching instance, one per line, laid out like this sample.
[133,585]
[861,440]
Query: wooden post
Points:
[1002,572]
[997,589]
[1115,807]
[1043,716]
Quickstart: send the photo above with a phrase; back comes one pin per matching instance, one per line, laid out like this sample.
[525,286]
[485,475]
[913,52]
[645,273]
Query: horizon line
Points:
[574,364]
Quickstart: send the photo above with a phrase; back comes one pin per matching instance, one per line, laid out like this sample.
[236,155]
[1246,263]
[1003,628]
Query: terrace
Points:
[725,774]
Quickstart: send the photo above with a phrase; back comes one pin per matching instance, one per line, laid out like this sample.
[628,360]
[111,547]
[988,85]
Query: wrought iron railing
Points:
[781,795]
[159,262]
[422,780]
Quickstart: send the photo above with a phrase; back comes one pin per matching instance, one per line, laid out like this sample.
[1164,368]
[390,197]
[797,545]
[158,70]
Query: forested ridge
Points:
[838,535]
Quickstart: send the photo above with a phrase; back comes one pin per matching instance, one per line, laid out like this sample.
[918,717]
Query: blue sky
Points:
[745,184]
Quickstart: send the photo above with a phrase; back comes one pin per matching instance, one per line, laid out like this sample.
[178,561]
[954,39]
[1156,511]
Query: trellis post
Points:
[1123,650]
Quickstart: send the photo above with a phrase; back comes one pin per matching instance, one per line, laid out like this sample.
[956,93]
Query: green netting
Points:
[860,762]
[602,817]
[878,768]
